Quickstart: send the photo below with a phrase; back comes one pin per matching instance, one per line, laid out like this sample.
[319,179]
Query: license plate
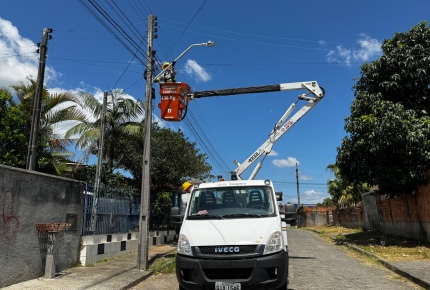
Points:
[227,286]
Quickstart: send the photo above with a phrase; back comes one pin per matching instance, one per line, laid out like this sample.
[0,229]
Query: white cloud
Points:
[370,48]
[312,197]
[322,42]
[196,71]
[289,162]
[305,177]
[18,59]
[273,153]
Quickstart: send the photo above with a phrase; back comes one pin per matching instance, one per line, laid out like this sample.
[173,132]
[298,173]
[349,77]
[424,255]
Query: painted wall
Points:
[28,198]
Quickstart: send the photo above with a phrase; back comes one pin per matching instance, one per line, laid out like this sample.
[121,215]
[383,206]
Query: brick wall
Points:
[407,215]
[351,217]
[315,216]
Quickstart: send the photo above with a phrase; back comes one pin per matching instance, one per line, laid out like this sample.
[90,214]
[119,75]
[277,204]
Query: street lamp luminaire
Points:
[208,44]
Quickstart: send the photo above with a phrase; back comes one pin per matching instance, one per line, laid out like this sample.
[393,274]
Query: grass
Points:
[387,247]
[164,265]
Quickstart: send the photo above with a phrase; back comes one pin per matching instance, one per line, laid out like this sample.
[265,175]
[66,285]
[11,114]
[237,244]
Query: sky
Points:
[257,42]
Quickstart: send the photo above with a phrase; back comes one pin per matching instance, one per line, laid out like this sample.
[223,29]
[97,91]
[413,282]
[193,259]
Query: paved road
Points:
[318,264]
[315,264]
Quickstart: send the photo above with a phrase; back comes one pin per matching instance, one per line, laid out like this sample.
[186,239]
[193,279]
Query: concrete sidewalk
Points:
[117,273]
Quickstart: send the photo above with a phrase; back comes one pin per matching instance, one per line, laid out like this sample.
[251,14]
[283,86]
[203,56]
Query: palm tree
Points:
[55,109]
[123,118]
[344,193]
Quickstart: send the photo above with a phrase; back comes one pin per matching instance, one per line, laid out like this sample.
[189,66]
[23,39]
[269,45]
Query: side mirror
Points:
[176,218]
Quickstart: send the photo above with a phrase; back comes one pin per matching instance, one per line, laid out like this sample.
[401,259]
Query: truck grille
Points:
[211,250]
[232,273]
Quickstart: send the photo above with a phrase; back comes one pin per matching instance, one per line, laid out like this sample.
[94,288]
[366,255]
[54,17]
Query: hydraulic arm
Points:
[281,127]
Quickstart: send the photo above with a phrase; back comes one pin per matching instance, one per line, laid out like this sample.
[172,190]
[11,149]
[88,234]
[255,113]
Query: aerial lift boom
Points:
[281,127]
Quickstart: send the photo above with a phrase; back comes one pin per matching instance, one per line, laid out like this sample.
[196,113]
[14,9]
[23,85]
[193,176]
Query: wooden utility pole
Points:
[32,142]
[143,245]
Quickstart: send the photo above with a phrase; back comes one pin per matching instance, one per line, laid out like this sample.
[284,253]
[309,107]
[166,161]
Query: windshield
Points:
[231,202]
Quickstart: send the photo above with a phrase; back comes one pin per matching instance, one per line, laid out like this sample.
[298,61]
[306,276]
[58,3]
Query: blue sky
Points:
[257,42]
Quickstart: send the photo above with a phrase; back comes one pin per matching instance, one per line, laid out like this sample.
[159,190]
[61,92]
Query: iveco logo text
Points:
[226,249]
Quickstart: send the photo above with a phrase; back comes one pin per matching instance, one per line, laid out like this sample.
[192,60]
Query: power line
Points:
[263,36]
[189,23]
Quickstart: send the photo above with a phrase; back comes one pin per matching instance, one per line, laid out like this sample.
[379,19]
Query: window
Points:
[257,201]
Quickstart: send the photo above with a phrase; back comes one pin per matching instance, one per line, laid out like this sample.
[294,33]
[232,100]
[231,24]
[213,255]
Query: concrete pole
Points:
[32,142]
[143,245]
[99,165]
[50,257]
[298,195]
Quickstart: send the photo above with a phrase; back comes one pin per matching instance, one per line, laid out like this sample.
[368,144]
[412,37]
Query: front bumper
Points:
[265,272]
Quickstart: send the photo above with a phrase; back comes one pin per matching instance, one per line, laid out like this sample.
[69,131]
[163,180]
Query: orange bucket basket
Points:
[174,101]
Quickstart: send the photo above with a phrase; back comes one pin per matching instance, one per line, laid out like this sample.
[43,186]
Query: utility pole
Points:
[99,166]
[32,142]
[297,182]
[143,245]
[298,194]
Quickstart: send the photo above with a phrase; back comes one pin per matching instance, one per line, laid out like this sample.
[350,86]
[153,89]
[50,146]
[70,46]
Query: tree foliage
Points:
[343,192]
[326,202]
[14,132]
[389,126]
[121,121]
[174,159]
[16,114]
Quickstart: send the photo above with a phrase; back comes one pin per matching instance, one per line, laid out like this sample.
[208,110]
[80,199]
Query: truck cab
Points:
[233,237]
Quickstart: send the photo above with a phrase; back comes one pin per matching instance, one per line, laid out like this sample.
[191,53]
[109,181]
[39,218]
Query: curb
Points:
[386,264]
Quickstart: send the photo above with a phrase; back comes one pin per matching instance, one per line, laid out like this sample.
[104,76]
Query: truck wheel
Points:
[181,288]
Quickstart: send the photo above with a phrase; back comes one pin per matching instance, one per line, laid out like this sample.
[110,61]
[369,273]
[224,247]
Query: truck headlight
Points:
[274,243]
[184,246]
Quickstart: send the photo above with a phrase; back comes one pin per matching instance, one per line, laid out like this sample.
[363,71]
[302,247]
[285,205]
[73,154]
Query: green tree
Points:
[344,193]
[121,122]
[13,133]
[389,126]
[174,159]
[52,149]
[326,202]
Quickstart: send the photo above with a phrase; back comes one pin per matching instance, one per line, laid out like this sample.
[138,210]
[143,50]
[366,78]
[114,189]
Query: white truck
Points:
[233,235]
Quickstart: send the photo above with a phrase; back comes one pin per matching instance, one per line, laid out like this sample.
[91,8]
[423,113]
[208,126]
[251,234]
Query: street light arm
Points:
[209,44]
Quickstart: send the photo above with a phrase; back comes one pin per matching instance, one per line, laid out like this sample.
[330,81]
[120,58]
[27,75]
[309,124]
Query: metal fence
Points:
[112,210]
[116,210]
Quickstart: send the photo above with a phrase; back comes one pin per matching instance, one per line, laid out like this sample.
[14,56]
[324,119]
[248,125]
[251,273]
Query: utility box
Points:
[174,101]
